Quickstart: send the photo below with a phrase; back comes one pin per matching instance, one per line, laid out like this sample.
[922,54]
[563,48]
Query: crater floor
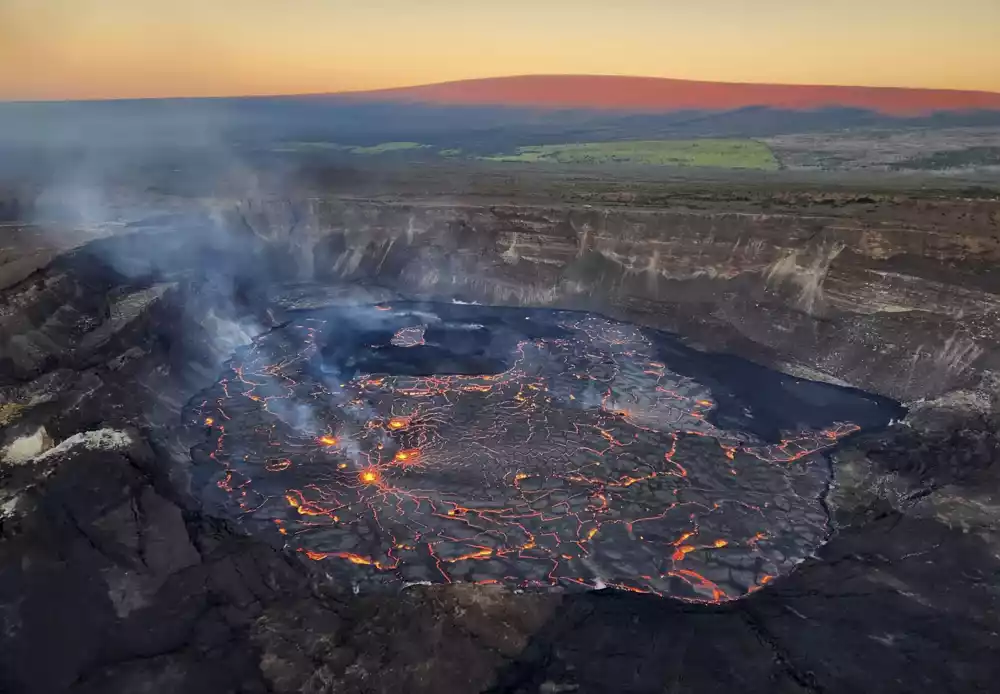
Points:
[462,443]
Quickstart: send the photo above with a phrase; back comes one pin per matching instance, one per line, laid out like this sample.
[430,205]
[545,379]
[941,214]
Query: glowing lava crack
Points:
[585,462]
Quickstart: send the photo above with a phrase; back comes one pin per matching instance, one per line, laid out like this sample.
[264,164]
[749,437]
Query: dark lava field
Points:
[526,448]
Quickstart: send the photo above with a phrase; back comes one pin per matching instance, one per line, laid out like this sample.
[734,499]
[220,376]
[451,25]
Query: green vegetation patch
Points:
[312,146]
[384,147]
[728,154]
[380,148]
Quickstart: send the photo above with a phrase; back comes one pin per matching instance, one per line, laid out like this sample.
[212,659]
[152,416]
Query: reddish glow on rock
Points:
[682,551]
[653,94]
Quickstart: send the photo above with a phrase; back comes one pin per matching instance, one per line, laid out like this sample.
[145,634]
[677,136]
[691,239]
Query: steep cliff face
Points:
[904,304]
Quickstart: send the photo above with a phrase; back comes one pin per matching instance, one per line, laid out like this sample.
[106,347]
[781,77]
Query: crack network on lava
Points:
[585,463]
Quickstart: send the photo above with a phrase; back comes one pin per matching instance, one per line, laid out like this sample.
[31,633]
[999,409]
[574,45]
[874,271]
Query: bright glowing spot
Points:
[721,543]
[407,456]
[328,440]
[397,423]
[369,476]
[209,421]
[683,550]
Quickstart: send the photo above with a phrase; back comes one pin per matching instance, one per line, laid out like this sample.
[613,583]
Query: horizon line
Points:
[349,92]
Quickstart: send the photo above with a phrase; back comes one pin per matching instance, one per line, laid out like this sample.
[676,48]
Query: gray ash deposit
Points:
[459,443]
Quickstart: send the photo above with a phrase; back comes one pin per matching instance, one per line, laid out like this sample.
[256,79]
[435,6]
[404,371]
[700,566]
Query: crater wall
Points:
[903,305]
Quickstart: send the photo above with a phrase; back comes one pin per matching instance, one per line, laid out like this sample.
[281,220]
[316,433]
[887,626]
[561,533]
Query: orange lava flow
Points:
[483,553]
[532,476]
[355,559]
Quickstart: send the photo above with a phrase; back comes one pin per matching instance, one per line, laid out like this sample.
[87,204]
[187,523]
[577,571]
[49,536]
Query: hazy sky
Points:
[123,48]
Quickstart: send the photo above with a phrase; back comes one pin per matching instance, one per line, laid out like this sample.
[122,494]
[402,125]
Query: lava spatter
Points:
[584,462]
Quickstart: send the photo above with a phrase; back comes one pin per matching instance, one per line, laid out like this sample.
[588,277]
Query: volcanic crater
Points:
[278,353]
[416,443]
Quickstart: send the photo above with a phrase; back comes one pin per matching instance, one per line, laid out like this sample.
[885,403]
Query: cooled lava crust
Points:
[444,443]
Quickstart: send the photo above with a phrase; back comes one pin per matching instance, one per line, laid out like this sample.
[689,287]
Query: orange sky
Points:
[52,49]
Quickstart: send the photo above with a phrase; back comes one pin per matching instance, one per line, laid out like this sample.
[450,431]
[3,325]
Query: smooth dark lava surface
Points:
[445,442]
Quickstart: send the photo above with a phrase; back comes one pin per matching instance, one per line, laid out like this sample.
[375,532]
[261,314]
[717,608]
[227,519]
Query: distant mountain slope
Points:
[519,117]
[651,94]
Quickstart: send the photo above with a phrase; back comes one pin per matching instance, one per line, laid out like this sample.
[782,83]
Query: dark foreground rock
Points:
[109,587]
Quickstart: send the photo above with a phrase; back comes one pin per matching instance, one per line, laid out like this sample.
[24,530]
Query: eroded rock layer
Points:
[895,296]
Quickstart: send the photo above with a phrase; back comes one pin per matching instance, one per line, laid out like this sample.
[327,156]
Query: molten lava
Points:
[585,462]
[407,457]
